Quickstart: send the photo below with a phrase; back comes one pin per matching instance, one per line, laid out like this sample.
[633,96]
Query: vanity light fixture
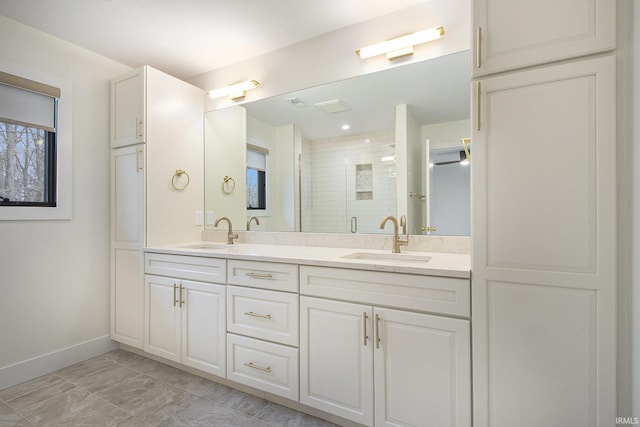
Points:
[400,46]
[234,91]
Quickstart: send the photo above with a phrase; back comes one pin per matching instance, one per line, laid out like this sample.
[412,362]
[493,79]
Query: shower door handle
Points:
[354,224]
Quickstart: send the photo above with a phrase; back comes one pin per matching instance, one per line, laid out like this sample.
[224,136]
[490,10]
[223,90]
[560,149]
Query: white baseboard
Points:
[50,362]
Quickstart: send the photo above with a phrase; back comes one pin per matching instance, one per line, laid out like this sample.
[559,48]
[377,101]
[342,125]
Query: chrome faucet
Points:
[251,218]
[397,241]
[230,235]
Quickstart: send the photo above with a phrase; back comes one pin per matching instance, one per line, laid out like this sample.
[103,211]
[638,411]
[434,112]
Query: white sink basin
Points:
[210,246]
[390,257]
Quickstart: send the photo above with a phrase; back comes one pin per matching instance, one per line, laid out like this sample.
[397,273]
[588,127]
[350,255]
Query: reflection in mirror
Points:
[339,157]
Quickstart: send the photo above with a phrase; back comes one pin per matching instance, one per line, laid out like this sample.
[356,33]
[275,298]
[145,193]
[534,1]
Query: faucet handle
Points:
[403,224]
[230,237]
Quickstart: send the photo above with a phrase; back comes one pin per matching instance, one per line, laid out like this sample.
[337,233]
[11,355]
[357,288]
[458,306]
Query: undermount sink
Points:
[375,256]
[211,246]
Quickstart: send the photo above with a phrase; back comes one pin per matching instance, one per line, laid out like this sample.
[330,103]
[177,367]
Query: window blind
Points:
[27,102]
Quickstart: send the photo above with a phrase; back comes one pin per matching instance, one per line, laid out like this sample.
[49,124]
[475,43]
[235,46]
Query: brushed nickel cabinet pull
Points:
[138,126]
[478,106]
[364,322]
[259,275]
[262,316]
[478,47]
[138,159]
[175,301]
[260,368]
[181,300]
[377,331]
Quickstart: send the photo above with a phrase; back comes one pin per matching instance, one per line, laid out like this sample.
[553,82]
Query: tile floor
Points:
[121,388]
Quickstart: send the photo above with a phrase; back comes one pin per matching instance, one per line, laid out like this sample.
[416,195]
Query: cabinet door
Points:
[162,317]
[127,241]
[127,296]
[128,109]
[203,326]
[336,358]
[544,244]
[127,197]
[514,34]
[422,366]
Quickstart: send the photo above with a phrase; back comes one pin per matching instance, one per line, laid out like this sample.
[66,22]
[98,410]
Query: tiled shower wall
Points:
[329,198]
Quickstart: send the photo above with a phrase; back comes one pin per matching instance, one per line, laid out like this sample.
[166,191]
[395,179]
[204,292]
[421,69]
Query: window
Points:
[28,112]
[40,105]
[27,166]
[256,177]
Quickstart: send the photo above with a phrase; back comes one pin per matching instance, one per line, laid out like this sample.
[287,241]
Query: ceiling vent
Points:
[297,102]
[333,106]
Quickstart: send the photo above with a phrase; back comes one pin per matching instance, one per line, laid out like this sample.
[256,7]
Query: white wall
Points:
[225,155]
[54,275]
[628,139]
[635,326]
[280,141]
[635,213]
[316,61]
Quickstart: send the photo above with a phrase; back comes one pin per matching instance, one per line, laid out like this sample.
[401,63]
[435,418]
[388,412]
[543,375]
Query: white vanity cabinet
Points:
[149,144]
[184,318]
[372,360]
[262,326]
[544,222]
[509,34]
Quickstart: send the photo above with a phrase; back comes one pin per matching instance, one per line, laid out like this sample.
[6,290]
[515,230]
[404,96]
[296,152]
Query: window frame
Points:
[63,152]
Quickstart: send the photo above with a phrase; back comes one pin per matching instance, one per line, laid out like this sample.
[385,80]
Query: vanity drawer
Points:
[266,366]
[258,313]
[265,275]
[203,269]
[430,294]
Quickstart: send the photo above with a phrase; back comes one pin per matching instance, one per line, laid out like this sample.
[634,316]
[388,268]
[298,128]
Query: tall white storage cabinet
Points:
[156,129]
[515,34]
[544,217]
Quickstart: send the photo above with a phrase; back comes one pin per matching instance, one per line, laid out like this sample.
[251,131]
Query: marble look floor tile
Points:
[27,387]
[202,412]
[85,368]
[76,407]
[9,417]
[278,415]
[143,396]
[53,387]
[145,365]
[204,388]
[242,402]
[104,379]
[119,356]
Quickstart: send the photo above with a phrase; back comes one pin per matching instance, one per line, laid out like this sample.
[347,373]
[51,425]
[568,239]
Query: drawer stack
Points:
[262,326]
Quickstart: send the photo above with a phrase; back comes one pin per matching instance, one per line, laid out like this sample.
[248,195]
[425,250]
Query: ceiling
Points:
[186,38]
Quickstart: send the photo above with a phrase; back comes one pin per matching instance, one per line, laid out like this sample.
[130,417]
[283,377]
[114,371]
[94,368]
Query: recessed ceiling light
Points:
[345,127]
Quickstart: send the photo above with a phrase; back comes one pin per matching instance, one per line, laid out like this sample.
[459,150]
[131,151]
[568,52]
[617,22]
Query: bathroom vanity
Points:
[369,336]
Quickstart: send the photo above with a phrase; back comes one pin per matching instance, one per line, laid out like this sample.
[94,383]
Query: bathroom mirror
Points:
[340,156]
